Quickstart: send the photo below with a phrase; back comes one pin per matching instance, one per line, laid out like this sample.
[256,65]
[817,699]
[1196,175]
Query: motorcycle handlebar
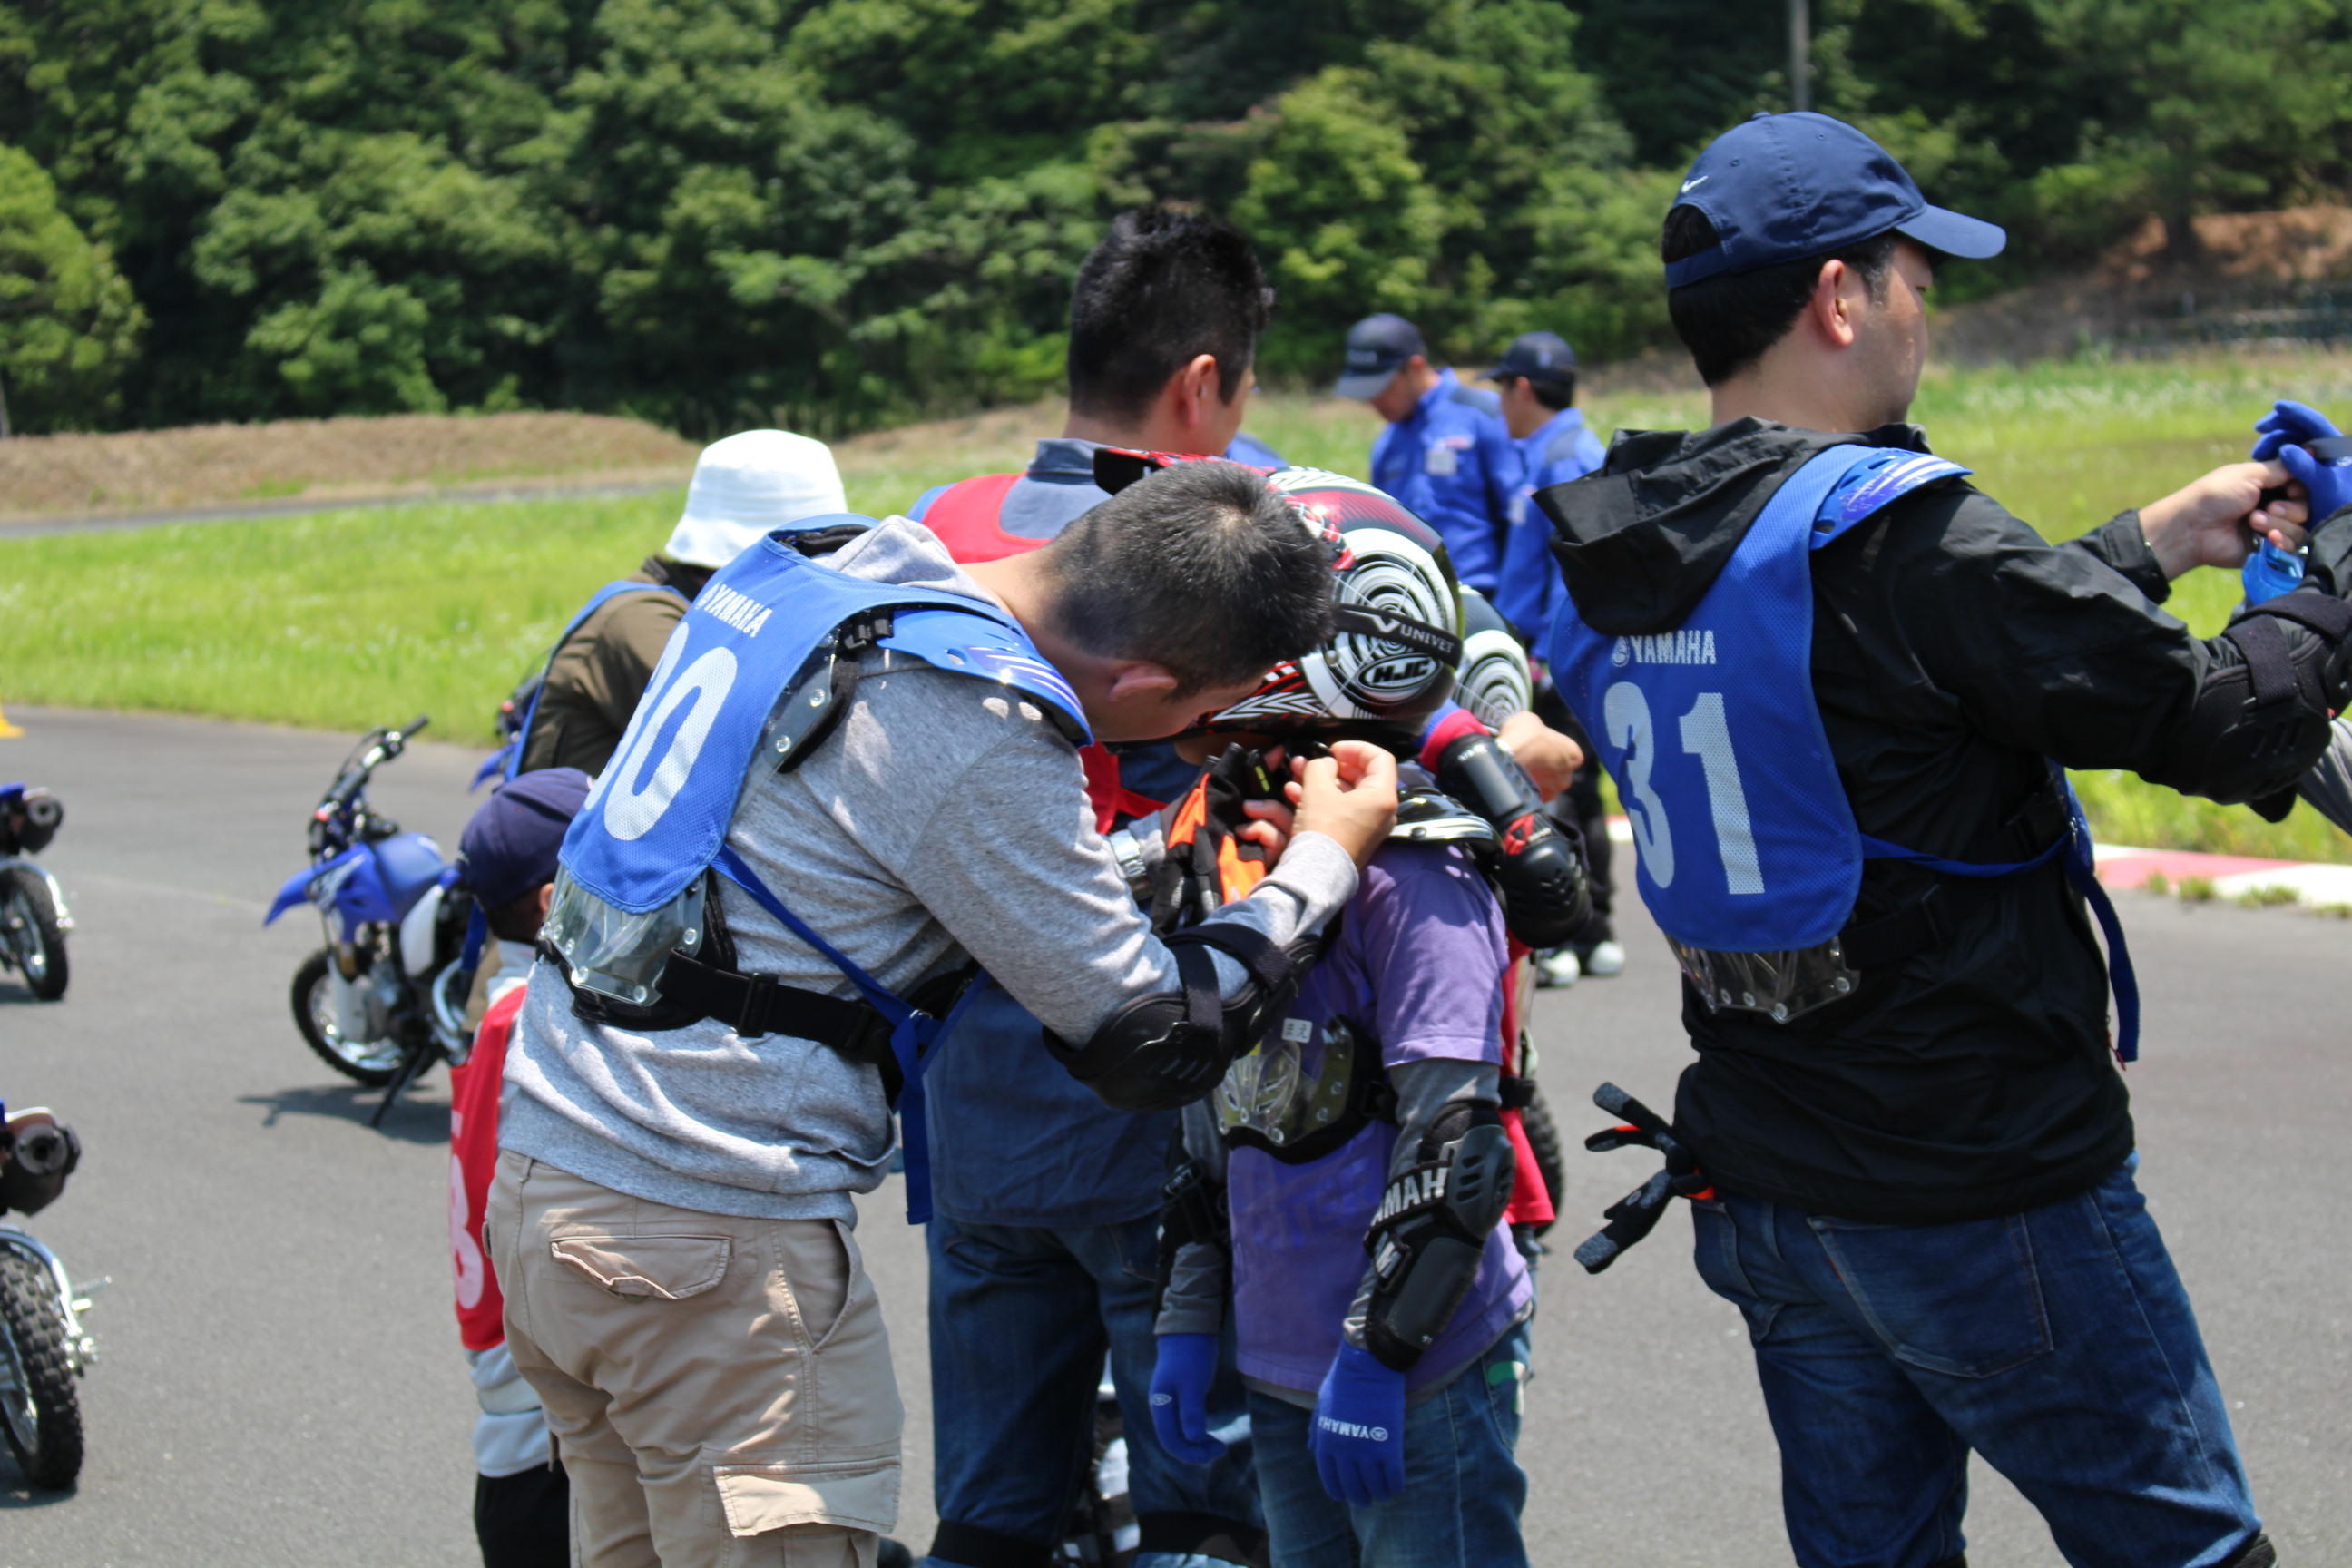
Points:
[390,744]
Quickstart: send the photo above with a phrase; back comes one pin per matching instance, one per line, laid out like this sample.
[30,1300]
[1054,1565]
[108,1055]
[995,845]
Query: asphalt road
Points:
[280,1382]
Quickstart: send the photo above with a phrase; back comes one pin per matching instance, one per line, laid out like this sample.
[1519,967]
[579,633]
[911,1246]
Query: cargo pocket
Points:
[656,1267]
[1961,1299]
[856,1494]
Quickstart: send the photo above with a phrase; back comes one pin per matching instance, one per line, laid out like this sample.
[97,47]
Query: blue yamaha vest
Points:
[1746,842]
[750,673]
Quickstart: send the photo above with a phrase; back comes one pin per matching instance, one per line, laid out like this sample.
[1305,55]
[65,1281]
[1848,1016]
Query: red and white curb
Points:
[2312,885]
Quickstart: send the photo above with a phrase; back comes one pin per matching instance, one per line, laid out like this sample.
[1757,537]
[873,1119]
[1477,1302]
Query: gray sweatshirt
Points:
[944,820]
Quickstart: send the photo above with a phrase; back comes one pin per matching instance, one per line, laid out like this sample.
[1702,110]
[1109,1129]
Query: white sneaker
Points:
[1558,969]
[1607,958]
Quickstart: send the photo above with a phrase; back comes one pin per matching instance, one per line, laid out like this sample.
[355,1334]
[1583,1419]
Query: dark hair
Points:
[1554,394]
[517,920]
[1162,287]
[1729,320]
[1202,568]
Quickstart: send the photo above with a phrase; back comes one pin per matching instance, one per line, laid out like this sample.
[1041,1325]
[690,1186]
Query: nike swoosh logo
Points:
[1690,185]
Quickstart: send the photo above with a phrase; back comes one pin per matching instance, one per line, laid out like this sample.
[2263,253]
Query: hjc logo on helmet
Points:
[1396,635]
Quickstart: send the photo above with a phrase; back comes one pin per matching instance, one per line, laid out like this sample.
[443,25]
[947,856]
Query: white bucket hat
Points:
[746,486]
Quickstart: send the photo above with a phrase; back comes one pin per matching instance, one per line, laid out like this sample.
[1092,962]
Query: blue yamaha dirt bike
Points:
[385,997]
[33,915]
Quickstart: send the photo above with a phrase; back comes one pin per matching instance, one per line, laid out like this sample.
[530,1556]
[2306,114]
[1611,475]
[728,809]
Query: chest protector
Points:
[1749,858]
[756,675]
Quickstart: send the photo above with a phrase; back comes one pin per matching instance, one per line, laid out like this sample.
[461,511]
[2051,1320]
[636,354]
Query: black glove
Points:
[1637,1214]
[1540,872]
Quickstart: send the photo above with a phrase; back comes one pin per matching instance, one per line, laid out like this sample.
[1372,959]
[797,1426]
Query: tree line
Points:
[832,214]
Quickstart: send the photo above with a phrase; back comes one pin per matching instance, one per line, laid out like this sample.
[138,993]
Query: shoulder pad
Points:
[976,644]
[1881,477]
[1429,817]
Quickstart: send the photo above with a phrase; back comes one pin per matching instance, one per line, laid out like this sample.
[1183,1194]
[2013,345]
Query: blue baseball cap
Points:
[1782,187]
[509,845]
[1378,347]
[1543,358]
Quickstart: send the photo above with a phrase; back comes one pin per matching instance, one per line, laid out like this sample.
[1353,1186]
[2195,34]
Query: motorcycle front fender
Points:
[297,889]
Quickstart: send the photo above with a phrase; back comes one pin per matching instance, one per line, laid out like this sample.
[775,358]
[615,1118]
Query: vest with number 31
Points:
[1746,842]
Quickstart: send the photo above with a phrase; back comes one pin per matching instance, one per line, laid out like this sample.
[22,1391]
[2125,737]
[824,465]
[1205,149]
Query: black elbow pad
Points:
[1540,872]
[1168,1049]
[2256,726]
[1431,1230]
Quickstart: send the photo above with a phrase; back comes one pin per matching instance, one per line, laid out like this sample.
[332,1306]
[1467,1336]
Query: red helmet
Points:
[1396,637]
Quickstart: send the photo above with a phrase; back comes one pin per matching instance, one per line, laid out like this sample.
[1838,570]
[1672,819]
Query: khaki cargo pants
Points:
[720,1389]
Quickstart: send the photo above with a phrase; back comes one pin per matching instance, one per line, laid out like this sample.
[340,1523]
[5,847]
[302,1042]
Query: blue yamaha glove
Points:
[1179,1396]
[2290,424]
[2328,478]
[1358,1436]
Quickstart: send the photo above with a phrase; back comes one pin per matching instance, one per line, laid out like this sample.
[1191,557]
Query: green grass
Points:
[346,619]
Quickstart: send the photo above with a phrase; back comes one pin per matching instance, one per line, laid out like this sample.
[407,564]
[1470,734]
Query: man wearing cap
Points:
[1445,454]
[743,487]
[506,861]
[1836,683]
[1536,378]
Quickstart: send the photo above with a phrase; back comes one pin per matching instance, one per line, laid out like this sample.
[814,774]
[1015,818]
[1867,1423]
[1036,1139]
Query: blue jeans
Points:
[1463,1487]
[2058,1343]
[1021,1319]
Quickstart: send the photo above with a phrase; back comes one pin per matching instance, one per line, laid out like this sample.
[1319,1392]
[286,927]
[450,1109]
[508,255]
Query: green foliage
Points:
[836,213]
[69,325]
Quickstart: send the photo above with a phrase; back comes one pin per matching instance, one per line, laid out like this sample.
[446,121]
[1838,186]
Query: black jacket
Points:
[1953,652]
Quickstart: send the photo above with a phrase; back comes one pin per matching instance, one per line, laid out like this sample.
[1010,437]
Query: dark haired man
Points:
[1537,379]
[1443,452]
[1836,683]
[854,771]
[1045,1236]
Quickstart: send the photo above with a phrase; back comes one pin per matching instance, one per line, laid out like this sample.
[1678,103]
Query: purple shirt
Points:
[1418,965]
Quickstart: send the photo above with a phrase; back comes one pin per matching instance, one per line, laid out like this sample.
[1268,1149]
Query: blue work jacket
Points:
[1451,465]
[1530,586]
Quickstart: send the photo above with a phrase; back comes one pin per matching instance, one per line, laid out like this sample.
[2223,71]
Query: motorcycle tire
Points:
[314,1014]
[42,1413]
[1543,1142]
[28,923]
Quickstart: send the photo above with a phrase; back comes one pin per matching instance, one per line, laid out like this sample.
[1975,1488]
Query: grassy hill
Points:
[343,619]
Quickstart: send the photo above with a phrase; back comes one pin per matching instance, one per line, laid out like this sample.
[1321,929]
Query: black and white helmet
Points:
[1396,641]
[1496,682]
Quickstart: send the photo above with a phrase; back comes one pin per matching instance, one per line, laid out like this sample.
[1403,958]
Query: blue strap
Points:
[2082,871]
[511,758]
[912,1030]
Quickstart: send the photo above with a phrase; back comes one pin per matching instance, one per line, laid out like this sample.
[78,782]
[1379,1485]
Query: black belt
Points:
[756,1005]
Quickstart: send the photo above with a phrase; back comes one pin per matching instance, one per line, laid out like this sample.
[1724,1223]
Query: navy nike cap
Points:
[1378,347]
[1781,187]
[1543,358]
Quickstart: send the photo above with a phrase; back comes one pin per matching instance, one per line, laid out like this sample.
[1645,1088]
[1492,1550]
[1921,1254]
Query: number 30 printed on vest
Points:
[1705,734]
[633,801]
